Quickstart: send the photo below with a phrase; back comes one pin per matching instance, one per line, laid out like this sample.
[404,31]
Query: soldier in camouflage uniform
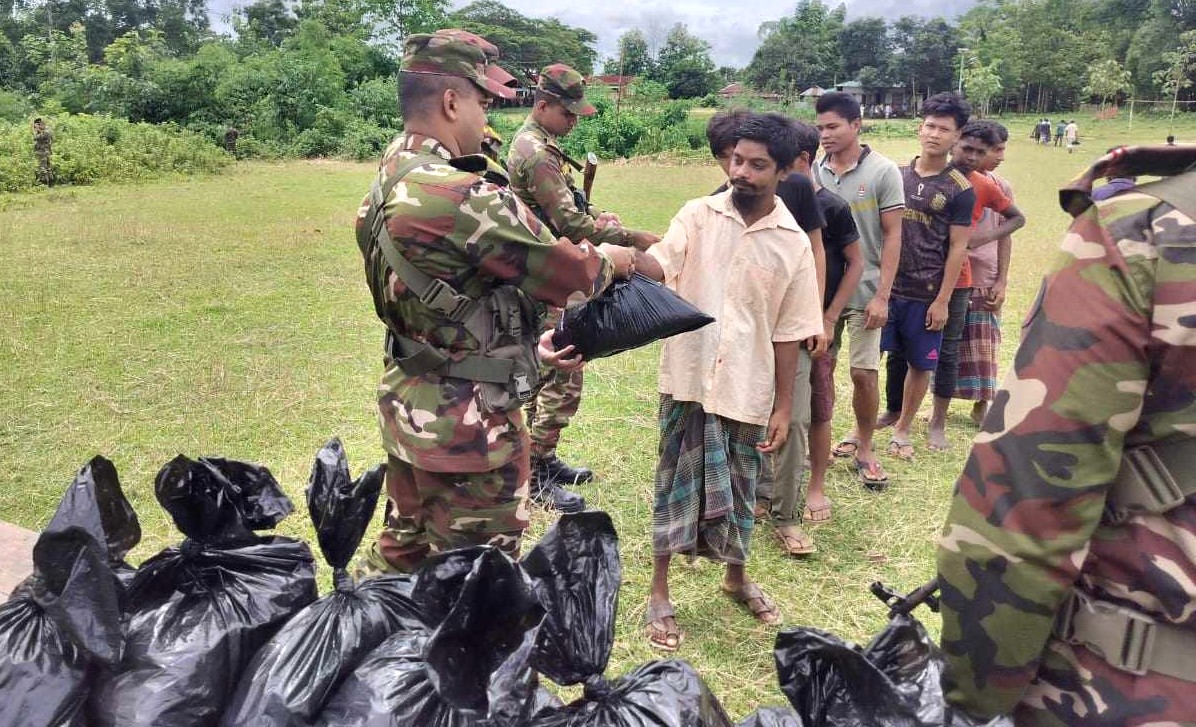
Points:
[540,176]
[42,138]
[457,468]
[1068,561]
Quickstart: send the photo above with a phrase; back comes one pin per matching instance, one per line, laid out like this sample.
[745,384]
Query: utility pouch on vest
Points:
[504,321]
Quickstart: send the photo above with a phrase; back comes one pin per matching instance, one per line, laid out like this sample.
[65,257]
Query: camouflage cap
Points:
[454,52]
[566,84]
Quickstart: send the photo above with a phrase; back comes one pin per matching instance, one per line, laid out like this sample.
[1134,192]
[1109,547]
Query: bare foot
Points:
[887,419]
[979,410]
[936,439]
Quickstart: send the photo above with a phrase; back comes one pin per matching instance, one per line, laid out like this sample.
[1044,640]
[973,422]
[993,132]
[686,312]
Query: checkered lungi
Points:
[977,379]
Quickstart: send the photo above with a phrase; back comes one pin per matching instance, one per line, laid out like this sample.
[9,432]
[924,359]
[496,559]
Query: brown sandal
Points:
[660,636]
[794,540]
[763,608]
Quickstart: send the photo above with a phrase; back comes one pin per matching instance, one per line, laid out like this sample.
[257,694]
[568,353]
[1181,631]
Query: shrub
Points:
[14,107]
[89,149]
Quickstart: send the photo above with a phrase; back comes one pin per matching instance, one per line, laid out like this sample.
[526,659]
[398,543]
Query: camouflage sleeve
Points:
[510,243]
[1034,486]
[548,186]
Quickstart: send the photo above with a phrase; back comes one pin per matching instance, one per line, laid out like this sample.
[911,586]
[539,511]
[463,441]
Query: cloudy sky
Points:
[728,25]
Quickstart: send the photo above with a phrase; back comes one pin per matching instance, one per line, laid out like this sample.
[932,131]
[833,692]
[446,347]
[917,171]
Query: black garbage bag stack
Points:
[468,667]
[293,675]
[629,314]
[198,612]
[892,682]
[63,623]
[576,572]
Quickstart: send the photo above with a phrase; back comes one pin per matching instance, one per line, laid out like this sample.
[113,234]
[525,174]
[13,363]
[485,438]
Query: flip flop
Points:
[847,447]
[763,608]
[903,450]
[659,635]
[819,515]
[872,475]
[795,541]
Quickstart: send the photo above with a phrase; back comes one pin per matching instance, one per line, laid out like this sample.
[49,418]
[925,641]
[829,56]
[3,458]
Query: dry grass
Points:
[227,315]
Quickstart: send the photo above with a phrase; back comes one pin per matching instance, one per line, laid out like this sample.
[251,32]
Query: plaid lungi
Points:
[977,379]
[705,483]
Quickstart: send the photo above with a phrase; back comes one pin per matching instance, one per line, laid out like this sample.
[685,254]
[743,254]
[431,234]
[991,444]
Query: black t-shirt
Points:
[797,192]
[840,231]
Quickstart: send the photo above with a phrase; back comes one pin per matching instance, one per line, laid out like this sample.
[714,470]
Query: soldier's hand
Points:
[936,316]
[606,219]
[876,313]
[564,359]
[623,259]
[643,240]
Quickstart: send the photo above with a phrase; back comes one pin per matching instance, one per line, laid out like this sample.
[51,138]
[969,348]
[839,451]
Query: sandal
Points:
[795,541]
[903,450]
[818,515]
[872,475]
[847,447]
[660,636]
[763,608]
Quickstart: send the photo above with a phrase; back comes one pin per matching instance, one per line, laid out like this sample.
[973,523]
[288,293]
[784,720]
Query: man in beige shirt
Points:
[726,389]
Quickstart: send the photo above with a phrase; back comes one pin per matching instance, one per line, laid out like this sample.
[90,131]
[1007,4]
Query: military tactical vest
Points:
[504,321]
[1153,479]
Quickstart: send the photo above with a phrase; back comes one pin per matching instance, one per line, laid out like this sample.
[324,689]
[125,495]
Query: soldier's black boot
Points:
[547,492]
[562,474]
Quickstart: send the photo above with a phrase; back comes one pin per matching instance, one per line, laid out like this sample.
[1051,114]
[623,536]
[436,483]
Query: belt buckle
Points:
[1137,645]
[442,297]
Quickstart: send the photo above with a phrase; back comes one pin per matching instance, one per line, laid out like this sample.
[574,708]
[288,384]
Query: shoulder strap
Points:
[432,292]
[1153,479]
[1178,191]
[412,356]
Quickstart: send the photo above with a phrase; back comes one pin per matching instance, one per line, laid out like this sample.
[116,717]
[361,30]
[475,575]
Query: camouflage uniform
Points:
[1028,519]
[540,176]
[457,473]
[42,138]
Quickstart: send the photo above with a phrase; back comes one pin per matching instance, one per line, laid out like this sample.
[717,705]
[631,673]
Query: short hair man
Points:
[1071,134]
[539,176]
[968,155]
[844,268]
[871,185]
[779,487]
[726,389]
[979,349]
[935,228]
[457,458]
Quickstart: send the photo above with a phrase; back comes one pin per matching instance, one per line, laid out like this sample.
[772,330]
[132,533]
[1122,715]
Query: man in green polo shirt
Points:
[871,185]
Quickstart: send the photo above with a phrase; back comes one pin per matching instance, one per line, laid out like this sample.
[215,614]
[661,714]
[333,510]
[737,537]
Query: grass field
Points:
[227,315]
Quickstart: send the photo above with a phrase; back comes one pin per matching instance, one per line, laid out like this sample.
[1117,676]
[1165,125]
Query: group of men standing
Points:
[462,258]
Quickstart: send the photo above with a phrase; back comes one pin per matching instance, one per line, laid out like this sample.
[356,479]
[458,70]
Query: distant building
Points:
[873,99]
[731,90]
[812,93]
[618,86]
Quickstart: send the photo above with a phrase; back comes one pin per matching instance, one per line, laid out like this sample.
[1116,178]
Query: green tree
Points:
[1178,70]
[633,58]
[1107,79]
[982,84]
[265,21]
[864,43]
[397,19]
[798,50]
[683,64]
[527,44]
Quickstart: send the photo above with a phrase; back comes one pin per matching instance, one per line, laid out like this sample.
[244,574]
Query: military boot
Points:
[562,474]
[548,493]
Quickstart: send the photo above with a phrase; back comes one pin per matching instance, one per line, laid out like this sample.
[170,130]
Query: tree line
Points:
[1029,55]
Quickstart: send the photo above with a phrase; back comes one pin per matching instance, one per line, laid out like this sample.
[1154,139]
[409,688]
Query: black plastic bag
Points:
[469,667]
[772,717]
[293,675]
[629,314]
[894,681]
[576,572]
[63,623]
[198,613]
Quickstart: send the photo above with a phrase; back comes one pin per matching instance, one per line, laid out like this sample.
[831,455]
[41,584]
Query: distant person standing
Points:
[230,139]
[1060,128]
[1071,133]
[42,138]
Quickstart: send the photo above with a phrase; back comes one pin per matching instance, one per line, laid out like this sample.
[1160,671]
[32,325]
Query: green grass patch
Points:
[227,315]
